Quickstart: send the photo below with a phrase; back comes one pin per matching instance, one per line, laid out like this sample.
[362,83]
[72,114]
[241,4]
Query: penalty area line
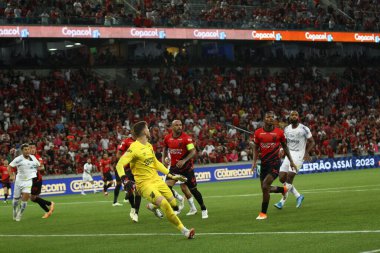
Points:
[343,232]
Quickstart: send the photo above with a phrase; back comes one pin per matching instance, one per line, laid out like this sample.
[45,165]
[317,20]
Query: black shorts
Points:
[6,184]
[36,187]
[270,169]
[189,174]
[107,176]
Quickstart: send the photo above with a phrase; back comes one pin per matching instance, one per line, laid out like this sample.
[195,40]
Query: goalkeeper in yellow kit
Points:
[144,164]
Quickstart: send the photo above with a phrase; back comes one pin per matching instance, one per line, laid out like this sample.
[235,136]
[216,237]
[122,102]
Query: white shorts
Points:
[87,177]
[22,186]
[297,159]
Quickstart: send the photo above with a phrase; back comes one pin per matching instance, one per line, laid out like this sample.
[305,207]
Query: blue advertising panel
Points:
[217,173]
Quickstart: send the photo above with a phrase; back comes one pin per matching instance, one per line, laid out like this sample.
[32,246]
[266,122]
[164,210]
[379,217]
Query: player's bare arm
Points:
[287,153]
[255,156]
[191,154]
[309,145]
[165,158]
[12,174]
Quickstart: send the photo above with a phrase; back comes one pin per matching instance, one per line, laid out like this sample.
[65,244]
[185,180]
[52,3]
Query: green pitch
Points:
[341,213]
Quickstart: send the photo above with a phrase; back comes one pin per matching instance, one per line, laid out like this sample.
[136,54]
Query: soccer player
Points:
[5,179]
[267,140]
[300,142]
[181,148]
[133,196]
[46,205]
[105,166]
[88,168]
[144,165]
[26,166]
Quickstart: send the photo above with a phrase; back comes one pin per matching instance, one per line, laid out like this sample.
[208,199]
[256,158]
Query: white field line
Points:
[371,251]
[339,232]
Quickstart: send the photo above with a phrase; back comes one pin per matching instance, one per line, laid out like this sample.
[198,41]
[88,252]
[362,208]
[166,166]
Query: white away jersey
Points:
[297,137]
[26,167]
[87,168]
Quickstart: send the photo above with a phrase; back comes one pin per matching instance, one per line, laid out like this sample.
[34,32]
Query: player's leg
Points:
[117,190]
[293,190]
[25,195]
[44,204]
[16,199]
[266,180]
[83,186]
[108,182]
[170,183]
[93,186]
[6,187]
[162,196]
[192,185]
[193,210]
[284,169]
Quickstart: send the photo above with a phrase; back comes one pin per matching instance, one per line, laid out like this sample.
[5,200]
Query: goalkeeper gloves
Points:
[177,177]
[129,185]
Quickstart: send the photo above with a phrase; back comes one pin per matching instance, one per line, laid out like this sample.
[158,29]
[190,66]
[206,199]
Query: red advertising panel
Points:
[183,33]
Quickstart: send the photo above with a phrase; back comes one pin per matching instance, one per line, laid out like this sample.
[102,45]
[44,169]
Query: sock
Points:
[23,206]
[191,203]
[15,203]
[198,196]
[264,207]
[295,192]
[5,197]
[131,199]
[93,187]
[107,186]
[284,198]
[168,211]
[177,195]
[42,203]
[126,196]
[82,188]
[104,187]
[116,193]
[137,203]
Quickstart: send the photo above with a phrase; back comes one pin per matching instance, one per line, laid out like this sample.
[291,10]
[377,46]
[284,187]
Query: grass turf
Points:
[340,214]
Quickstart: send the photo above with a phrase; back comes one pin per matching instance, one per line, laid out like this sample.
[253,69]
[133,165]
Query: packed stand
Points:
[75,114]
[246,14]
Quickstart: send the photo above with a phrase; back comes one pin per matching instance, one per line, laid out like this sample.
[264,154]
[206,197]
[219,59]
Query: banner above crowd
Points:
[183,33]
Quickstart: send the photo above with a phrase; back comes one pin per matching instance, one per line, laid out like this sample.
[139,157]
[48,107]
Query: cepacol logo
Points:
[155,33]
[319,36]
[367,38]
[15,31]
[225,173]
[266,35]
[76,32]
[210,34]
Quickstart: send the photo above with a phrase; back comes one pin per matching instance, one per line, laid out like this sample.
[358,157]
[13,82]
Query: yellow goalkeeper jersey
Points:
[143,162]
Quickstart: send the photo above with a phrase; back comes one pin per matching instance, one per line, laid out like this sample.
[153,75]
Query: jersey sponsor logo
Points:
[175,151]
[148,161]
[53,188]
[268,145]
[225,173]
[203,176]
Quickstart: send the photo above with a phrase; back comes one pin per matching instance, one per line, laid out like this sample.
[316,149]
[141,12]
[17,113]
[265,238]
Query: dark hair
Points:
[270,112]
[25,145]
[138,128]
[32,144]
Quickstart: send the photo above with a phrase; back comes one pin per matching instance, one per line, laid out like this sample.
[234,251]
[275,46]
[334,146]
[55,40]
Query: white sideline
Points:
[342,232]
[371,251]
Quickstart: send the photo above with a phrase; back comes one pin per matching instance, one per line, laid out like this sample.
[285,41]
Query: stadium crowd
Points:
[254,14]
[73,114]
